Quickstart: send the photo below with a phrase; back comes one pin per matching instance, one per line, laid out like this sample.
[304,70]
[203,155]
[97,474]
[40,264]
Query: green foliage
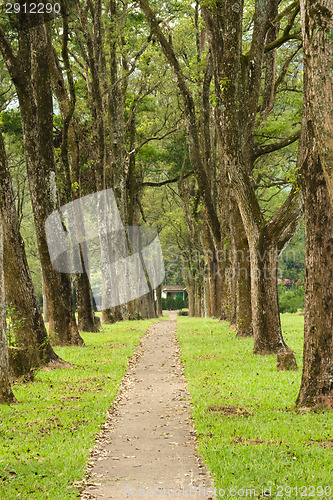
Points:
[291,261]
[10,122]
[290,301]
[258,449]
[174,304]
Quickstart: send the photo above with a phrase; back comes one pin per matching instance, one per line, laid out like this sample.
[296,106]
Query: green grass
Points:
[273,446]
[46,438]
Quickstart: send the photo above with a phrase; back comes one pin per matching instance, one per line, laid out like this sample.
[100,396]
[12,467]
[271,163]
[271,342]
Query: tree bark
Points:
[237,86]
[241,275]
[159,311]
[6,394]
[71,167]
[189,282]
[317,378]
[31,76]
[317,26]
[45,307]
[265,303]
[19,288]
[86,317]
[190,123]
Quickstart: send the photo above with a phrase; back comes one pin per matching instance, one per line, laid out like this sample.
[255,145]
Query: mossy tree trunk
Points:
[19,289]
[317,26]
[317,378]
[237,87]
[30,72]
[6,394]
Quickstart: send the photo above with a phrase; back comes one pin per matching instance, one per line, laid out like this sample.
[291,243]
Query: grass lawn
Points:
[268,443]
[46,438]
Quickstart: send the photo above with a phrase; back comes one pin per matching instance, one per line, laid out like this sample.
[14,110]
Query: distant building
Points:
[174,291]
[288,283]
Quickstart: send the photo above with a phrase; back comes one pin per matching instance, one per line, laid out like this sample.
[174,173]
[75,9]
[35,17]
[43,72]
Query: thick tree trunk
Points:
[71,167]
[85,310]
[317,378]
[242,275]
[317,26]
[19,288]
[30,74]
[6,394]
[265,304]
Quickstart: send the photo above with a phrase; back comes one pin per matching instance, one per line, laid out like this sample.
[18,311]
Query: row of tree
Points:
[246,85]
[219,124]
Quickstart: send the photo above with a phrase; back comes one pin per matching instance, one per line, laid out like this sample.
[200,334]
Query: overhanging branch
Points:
[270,148]
[167,181]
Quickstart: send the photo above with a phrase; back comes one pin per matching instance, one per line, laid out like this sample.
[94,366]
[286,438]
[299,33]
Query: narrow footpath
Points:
[148,446]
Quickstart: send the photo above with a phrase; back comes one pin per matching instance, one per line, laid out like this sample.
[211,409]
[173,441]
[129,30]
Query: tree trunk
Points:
[86,317]
[265,304]
[6,394]
[317,26]
[242,275]
[237,105]
[219,286]
[45,307]
[19,289]
[190,292]
[317,378]
[71,167]
[31,76]
[159,311]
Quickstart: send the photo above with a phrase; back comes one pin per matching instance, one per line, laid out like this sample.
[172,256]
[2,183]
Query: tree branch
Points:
[153,138]
[286,220]
[9,57]
[286,33]
[168,181]
[286,11]
[270,148]
[191,121]
[284,69]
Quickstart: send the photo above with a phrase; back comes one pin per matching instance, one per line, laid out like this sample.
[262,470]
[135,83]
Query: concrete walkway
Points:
[148,446]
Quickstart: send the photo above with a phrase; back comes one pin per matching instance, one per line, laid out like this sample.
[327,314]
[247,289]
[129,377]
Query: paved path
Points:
[148,442]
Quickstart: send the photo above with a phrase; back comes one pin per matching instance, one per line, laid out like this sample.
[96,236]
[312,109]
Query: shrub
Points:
[172,304]
[291,300]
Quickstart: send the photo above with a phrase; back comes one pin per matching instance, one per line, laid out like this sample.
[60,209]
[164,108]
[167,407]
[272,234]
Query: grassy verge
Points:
[267,443]
[46,438]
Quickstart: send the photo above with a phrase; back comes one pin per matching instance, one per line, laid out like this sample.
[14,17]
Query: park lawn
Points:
[46,438]
[271,444]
